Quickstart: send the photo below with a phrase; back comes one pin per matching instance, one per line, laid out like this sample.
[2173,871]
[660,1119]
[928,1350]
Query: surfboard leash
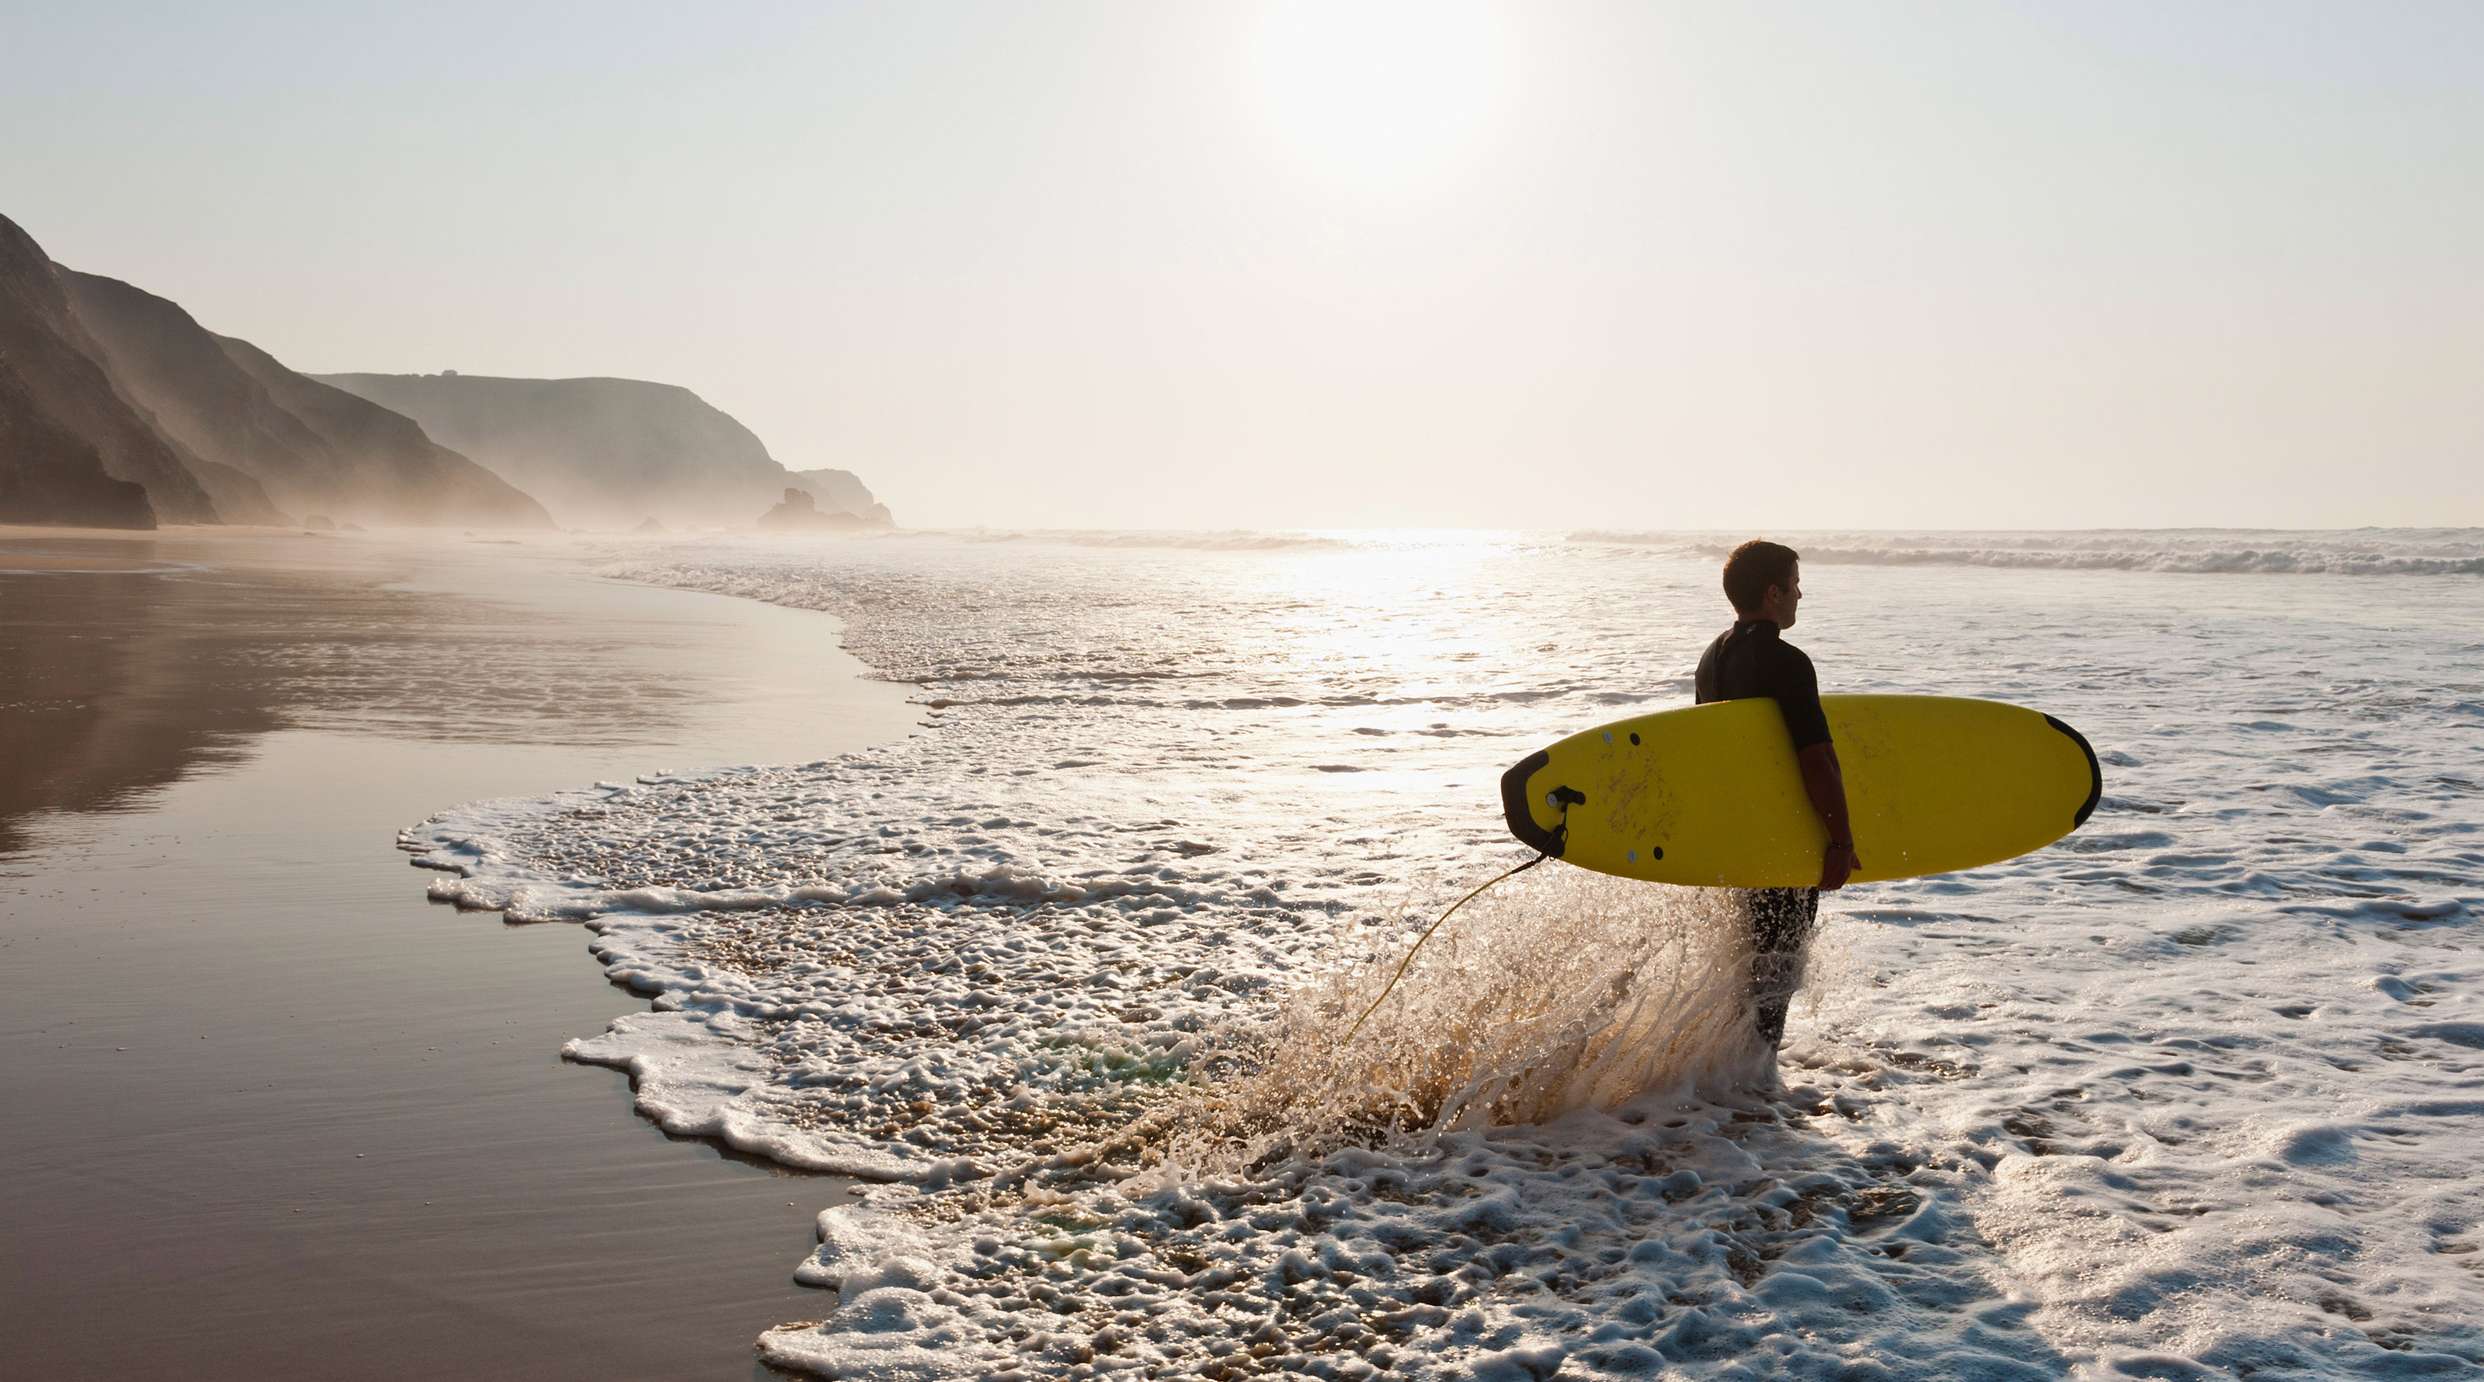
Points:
[1391,987]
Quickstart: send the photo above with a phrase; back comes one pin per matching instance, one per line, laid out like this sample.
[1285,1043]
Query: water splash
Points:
[1558,992]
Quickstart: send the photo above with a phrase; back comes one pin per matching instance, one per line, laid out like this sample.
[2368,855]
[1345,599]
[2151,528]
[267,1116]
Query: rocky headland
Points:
[304,446]
[119,409]
[607,453]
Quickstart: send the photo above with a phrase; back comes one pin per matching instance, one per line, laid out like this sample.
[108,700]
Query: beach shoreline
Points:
[273,1104]
[1181,800]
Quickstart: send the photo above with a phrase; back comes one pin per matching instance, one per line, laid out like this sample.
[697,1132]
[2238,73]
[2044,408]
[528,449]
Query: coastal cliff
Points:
[74,449]
[117,409]
[310,448]
[600,453]
[404,472]
[50,474]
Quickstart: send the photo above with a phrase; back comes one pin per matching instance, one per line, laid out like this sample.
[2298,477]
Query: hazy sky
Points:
[1324,264]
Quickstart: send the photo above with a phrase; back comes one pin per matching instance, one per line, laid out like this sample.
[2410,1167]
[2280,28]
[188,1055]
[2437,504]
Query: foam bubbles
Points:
[1072,970]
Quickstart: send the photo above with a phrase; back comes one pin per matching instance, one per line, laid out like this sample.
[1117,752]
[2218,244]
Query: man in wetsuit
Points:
[1764,582]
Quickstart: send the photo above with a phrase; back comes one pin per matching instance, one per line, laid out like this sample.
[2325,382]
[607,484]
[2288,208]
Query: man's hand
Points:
[1825,783]
[1839,864]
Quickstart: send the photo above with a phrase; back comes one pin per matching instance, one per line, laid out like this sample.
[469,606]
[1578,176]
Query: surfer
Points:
[1765,583]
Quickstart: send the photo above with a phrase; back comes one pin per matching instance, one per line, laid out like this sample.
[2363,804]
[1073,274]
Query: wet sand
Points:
[271,1113]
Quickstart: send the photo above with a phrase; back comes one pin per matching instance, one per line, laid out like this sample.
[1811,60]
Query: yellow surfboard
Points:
[1710,796]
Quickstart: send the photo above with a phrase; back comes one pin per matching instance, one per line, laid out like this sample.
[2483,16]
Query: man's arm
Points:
[1825,783]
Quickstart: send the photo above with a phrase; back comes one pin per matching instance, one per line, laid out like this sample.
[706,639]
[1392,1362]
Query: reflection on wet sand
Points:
[278,1106]
[126,665]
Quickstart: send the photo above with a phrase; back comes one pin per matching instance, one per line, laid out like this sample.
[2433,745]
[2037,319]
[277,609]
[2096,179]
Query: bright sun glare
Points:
[1383,95]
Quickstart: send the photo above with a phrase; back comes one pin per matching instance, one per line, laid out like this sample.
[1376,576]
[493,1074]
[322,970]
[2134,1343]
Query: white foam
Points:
[2197,1089]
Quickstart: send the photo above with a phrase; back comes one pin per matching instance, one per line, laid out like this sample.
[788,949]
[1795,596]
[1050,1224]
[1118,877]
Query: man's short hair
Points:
[1755,566]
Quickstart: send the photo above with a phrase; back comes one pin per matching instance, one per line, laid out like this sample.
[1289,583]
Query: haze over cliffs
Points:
[604,453]
[311,449]
[117,409]
[844,490]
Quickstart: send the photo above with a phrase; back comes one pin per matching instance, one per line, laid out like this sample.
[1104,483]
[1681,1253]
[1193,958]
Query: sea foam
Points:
[1072,971]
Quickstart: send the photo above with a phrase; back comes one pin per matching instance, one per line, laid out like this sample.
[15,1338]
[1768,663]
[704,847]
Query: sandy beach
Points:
[271,1112]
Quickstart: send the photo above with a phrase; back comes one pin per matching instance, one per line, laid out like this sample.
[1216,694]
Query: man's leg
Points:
[1781,922]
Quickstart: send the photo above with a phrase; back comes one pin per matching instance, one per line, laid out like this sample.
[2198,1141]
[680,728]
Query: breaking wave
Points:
[1232,540]
[2392,552]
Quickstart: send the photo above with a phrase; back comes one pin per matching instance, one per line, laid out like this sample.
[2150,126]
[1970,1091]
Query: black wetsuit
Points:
[1747,661]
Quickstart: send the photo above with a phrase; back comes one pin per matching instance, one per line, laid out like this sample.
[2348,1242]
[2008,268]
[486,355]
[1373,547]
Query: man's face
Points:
[1789,595]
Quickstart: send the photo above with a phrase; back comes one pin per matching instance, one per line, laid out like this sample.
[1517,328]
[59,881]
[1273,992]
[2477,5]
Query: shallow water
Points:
[2195,1088]
[268,1113]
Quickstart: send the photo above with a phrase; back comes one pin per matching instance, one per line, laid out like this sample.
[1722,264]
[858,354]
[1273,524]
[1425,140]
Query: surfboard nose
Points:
[1518,805]
[2095,772]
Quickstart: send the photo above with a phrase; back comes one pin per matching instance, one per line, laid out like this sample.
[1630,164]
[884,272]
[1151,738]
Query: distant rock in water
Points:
[798,513]
[649,525]
[842,490]
[298,443]
[74,448]
[600,453]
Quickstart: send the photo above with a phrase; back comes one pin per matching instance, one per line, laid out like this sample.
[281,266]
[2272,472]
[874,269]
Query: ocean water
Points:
[2196,1091]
